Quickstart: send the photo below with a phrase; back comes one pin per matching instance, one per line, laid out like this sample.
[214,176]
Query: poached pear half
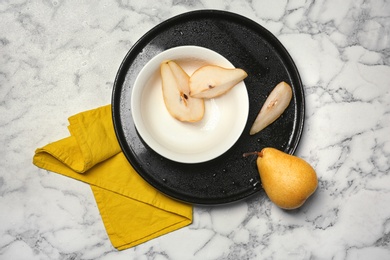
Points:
[286,179]
[277,101]
[212,81]
[176,93]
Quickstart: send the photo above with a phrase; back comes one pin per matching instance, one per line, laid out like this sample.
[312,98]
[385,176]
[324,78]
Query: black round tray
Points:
[247,45]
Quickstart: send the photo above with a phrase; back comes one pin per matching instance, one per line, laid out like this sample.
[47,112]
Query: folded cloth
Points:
[132,211]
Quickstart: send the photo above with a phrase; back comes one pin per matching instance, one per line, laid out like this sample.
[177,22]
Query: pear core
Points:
[286,179]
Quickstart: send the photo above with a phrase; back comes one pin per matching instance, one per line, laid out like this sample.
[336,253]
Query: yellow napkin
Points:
[133,212]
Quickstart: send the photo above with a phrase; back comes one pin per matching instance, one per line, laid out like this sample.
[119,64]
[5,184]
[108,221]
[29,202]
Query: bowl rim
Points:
[187,52]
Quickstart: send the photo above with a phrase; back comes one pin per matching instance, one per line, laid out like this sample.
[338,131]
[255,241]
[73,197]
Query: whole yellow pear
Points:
[287,180]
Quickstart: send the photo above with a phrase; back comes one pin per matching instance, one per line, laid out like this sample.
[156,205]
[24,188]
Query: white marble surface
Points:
[58,58]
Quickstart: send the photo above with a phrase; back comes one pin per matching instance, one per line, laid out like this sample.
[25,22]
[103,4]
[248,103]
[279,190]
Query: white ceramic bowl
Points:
[223,122]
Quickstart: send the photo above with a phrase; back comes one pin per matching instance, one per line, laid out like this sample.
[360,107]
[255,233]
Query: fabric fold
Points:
[132,211]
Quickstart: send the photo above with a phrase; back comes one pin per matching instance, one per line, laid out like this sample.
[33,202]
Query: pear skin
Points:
[286,179]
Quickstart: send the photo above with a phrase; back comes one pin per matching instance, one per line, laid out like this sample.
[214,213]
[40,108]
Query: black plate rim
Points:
[132,53]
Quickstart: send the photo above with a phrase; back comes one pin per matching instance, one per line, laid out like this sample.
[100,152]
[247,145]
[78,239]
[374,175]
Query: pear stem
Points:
[250,154]
[259,154]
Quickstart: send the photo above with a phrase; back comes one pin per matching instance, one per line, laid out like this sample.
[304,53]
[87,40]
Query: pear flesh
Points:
[276,103]
[211,81]
[286,179]
[176,94]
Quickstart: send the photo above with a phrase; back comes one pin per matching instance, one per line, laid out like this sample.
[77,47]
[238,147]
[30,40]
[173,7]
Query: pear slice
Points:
[211,81]
[277,101]
[176,93]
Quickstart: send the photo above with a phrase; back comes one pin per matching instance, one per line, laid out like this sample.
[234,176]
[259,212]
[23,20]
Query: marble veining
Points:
[58,58]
